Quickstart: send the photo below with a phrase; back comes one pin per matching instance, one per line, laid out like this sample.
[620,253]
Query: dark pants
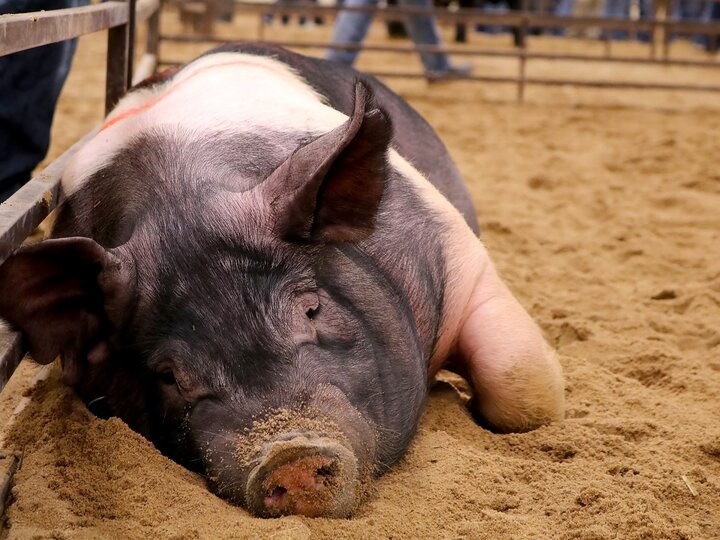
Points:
[30,83]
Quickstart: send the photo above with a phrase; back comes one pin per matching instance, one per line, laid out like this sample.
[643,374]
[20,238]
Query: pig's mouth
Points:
[295,461]
[306,474]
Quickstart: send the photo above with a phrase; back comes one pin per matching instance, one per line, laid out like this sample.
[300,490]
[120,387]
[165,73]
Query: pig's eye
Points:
[309,303]
[306,309]
[167,376]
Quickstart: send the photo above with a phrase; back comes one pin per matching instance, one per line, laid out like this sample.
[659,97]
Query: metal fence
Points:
[659,46]
[23,212]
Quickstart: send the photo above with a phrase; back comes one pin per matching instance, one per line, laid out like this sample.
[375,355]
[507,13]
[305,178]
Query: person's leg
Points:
[703,14]
[395,27]
[423,31]
[563,8]
[30,85]
[460,27]
[617,9]
[351,27]
[646,12]
[714,41]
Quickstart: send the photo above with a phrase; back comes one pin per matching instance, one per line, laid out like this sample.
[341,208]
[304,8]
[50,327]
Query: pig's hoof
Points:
[310,477]
[516,419]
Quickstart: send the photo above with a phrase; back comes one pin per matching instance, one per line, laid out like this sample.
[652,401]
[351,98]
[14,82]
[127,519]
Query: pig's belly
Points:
[465,260]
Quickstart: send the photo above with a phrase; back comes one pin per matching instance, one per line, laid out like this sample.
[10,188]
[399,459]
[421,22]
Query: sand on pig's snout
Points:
[592,210]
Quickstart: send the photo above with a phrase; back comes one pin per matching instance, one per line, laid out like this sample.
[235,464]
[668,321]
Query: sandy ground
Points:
[601,210]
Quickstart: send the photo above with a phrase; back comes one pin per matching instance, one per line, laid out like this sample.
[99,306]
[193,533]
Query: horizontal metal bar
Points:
[692,27]
[8,467]
[27,30]
[145,8]
[11,352]
[558,82]
[511,18]
[23,211]
[459,51]
[528,80]
[146,67]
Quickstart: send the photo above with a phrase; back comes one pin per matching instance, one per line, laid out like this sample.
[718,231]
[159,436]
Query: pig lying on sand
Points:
[261,261]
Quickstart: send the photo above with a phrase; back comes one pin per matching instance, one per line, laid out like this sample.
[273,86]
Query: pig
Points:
[260,263]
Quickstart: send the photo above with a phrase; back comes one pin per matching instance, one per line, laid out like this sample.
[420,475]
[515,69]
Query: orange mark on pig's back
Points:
[173,88]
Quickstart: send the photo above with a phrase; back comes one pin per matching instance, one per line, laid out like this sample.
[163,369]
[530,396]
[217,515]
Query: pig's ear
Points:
[330,189]
[62,294]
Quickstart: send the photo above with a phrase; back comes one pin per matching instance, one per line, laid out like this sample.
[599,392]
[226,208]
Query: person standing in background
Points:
[30,84]
[351,27]
[694,11]
[562,8]
[620,9]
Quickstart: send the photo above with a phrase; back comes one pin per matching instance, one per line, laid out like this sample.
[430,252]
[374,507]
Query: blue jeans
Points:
[351,27]
[562,8]
[30,84]
[620,9]
[689,10]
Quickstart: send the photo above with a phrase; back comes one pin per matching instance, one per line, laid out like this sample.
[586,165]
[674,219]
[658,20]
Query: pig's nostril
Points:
[274,499]
[326,472]
[311,477]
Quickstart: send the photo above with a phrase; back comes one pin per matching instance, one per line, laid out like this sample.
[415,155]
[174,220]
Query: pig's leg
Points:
[515,375]
[517,380]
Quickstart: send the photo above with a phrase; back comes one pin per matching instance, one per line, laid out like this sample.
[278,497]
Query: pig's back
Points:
[413,138]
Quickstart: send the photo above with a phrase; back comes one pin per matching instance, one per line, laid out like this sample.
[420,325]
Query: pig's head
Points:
[249,335]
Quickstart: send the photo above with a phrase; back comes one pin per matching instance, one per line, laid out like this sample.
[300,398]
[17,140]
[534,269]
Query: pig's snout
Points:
[304,474]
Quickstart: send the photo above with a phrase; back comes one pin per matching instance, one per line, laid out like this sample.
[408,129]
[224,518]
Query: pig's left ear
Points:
[330,189]
[64,295]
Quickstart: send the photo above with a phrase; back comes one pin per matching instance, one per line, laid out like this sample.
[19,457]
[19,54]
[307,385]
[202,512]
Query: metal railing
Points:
[660,30]
[29,206]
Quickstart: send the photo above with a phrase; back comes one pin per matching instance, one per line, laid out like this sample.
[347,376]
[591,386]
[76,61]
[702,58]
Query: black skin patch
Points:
[171,172]
[207,345]
[216,302]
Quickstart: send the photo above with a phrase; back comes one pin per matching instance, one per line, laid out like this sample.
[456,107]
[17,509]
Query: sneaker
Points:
[461,71]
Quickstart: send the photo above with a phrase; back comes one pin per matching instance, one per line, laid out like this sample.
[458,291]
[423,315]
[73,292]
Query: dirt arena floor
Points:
[602,211]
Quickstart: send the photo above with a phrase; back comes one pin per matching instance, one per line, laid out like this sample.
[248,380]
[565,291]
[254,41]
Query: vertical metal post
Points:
[667,34]
[521,81]
[261,27]
[522,59]
[653,37]
[521,30]
[120,59]
[607,42]
[153,33]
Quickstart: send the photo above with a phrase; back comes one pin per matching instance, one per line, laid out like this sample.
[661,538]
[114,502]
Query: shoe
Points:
[453,72]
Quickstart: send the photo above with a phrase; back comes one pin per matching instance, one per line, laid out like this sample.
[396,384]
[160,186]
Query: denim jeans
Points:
[30,84]
[562,8]
[620,9]
[352,27]
[690,10]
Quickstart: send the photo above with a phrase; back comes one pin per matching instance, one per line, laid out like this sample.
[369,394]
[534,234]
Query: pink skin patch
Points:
[152,102]
[303,487]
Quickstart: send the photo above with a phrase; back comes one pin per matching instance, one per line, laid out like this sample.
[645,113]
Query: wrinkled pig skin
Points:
[261,261]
